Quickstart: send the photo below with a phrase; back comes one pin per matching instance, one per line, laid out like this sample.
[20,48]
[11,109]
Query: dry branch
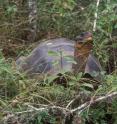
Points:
[93,101]
[96,15]
[64,111]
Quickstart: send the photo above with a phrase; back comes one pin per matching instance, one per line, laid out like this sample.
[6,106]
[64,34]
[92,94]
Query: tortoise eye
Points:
[84,37]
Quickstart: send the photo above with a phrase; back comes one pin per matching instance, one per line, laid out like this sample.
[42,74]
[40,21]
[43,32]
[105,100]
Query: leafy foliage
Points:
[42,117]
[58,18]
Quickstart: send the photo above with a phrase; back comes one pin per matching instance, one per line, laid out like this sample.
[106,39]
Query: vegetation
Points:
[39,99]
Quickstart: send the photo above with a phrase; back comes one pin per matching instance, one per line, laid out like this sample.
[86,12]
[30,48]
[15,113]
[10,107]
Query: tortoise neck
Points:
[81,50]
[81,54]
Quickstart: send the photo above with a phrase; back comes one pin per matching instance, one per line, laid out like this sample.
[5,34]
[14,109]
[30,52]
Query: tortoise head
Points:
[84,44]
[84,37]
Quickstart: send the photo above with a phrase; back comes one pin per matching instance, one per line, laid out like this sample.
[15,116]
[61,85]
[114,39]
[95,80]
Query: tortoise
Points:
[58,54]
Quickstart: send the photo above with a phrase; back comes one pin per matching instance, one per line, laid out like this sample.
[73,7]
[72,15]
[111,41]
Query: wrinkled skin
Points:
[40,61]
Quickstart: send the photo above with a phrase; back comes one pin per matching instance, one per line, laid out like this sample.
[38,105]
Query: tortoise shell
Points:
[55,55]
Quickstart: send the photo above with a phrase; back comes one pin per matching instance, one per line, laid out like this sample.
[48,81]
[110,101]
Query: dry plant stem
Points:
[39,105]
[101,30]
[15,25]
[93,101]
[43,98]
[65,110]
[33,18]
[72,101]
[33,109]
[91,80]
[96,16]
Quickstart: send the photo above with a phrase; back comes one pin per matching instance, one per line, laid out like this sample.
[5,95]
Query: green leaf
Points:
[3,103]
[52,53]
[55,63]
[12,9]
[63,71]
[39,119]
[87,85]
[79,75]
[51,78]
[22,84]
[70,59]
[115,27]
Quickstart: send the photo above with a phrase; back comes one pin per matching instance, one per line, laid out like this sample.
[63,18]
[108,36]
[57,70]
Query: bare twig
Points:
[72,101]
[33,109]
[94,101]
[43,98]
[64,111]
[96,16]
[14,25]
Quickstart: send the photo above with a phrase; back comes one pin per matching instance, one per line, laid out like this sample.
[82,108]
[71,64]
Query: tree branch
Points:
[64,111]
[96,16]
[93,101]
